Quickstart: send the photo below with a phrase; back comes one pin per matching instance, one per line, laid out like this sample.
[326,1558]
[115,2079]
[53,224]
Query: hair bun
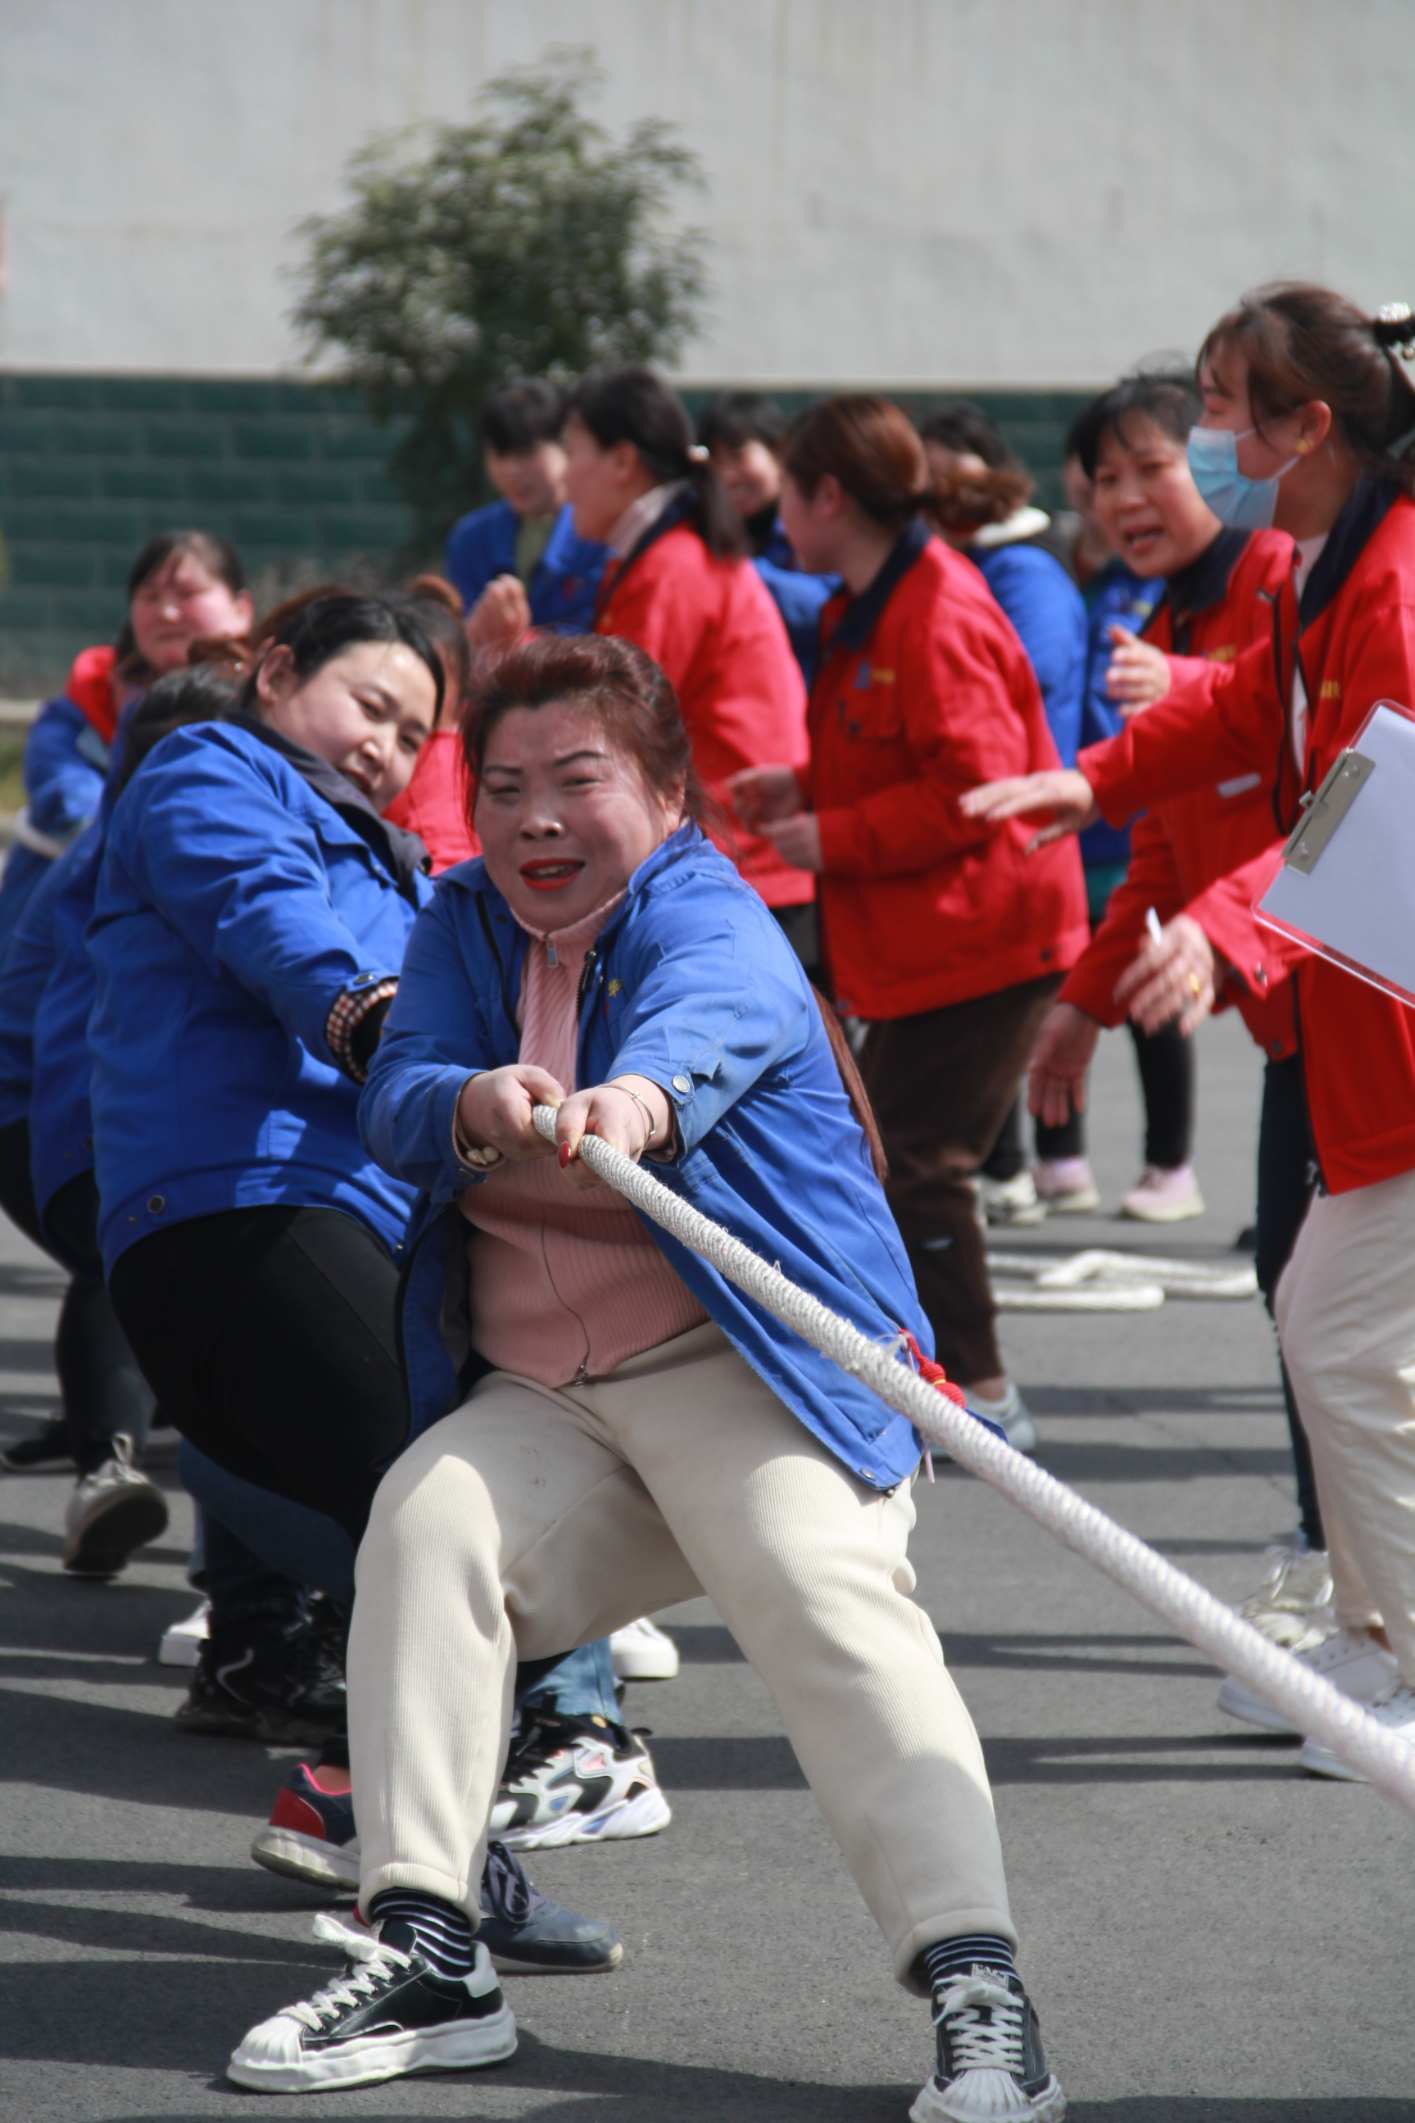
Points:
[1394,328]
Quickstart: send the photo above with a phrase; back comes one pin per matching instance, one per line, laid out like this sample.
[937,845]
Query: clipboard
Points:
[1346,887]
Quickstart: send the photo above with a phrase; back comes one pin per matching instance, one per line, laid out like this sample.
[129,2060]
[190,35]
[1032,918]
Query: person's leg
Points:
[1008,1155]
[1346,1318]
[1286,1177]
[105,1392]
[941,1084]
[579,1685]
[1166,1064]
[270,1338]
[288,1541]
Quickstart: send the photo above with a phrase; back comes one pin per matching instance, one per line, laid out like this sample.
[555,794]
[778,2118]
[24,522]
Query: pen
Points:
[1152,923]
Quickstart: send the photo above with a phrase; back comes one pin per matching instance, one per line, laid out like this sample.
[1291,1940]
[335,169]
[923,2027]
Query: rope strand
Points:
[1305,1699]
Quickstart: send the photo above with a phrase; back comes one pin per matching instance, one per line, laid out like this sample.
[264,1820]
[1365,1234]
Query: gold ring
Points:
[1196,986]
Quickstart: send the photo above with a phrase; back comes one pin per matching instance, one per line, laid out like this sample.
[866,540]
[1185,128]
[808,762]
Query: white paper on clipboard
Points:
[1346,887]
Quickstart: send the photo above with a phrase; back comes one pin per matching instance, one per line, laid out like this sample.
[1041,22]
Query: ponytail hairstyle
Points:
[1303,342]
[319,624]
[966,498]
[221,561]
[870,447]
[634,405]
[1166,397]
[202,693]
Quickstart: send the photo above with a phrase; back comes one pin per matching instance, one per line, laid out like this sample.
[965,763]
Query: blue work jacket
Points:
[60,1112]
[235,903]
[25,970]
[1049,619]
[692,984]
[65,762]
[563,581]
[800,598]
[1115,596]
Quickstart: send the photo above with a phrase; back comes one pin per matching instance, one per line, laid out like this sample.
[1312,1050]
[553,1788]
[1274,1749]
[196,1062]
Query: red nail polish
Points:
[564,1155]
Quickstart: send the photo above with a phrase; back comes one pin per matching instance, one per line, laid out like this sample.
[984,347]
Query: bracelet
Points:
[643,1106]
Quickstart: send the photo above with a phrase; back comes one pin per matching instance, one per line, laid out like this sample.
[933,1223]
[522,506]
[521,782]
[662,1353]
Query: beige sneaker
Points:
[111,1512]
[1292,1606]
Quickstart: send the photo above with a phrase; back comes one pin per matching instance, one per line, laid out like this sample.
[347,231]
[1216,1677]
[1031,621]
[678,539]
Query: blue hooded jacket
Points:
[564,581]
[65,763]
[235,904]
[60,1114]
[692,984]
[25,970]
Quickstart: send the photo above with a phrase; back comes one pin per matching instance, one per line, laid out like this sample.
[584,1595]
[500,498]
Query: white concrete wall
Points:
[1017,192]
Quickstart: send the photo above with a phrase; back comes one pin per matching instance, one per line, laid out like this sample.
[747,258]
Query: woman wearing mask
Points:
[604,954]
[942,937]
[1308,424]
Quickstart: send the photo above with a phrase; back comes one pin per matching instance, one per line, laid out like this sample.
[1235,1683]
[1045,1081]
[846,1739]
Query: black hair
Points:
[965,427]
[320,624]
[216,555]
[740,417]
[521,415]
[1166,397]
[201,694]
[634,405]
[965,500]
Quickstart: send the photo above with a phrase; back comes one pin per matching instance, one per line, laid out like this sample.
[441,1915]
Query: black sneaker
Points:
[390,2013]
[526,1933]
[991,2064]
[277,1688]
[576,1780]
[45,1447]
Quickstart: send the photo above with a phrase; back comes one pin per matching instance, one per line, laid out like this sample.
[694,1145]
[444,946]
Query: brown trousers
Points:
[941,1084]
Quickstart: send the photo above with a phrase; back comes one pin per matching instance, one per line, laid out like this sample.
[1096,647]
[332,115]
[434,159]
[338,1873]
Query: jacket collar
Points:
[677,509]
[1365,511]
[862,614]
[400,852]
[1200,586]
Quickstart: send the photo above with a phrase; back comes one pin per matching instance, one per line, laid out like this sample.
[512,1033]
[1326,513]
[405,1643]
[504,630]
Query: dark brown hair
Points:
[221,561]
[965,499]
[636,706]
[634,405]
[867,444]
[1302,342]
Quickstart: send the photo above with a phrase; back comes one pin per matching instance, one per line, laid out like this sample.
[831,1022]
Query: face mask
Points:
[1243,504]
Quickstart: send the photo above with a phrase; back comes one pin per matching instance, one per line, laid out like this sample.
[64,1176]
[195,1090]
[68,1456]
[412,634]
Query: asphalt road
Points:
[1211,1937]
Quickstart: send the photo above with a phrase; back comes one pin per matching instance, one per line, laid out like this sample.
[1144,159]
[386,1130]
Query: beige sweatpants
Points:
[1345,1310]
[532,1520]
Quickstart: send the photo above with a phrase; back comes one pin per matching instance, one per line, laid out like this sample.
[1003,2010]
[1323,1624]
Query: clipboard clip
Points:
[1323,810]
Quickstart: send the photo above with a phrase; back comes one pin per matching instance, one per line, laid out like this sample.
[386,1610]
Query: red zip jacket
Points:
[436,803]
[924,689]
[1355,641]
[1209,614]
[713,629]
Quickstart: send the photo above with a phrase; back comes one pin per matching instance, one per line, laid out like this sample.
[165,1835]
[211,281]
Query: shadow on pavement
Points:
[1072,1653]
[112,1752]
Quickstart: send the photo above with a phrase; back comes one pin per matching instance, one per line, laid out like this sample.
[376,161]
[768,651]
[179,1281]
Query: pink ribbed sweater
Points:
[564,1284]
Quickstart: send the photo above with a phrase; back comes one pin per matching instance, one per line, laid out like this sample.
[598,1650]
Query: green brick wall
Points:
[292,473]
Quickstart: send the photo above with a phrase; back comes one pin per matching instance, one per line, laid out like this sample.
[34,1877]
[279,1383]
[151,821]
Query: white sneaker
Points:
[1009,1201]
[1066,1186]
[182,1641]
[641,1651]
[1292,1606]
[111,1512]
[1011,1413]
[1357,1665]
[1395,1710]
[1164,1195]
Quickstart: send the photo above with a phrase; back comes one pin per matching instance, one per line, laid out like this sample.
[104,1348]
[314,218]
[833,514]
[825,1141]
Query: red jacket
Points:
[436,804]
[1355,638]
[1182,850]
[923,690]
[91,687]
[714,630]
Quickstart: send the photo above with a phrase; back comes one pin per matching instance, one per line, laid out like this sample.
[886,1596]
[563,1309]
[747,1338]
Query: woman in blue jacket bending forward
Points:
[636,1405]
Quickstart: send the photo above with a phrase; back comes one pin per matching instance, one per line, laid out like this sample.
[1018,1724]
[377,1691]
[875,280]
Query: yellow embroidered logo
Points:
[616,986]
[882,678]
[1224,655]
[1331,689]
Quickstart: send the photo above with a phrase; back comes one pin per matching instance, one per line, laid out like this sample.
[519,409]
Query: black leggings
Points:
[1166,1064]
[270,1337]
[1286,1178]
[103,1389]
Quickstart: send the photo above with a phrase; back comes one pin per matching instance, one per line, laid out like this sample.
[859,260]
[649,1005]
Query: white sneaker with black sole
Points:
[991,2064]
[390,2013]
[576,1780]
[641,1651]
[1356,1664]
[111,1513]
[182,1641]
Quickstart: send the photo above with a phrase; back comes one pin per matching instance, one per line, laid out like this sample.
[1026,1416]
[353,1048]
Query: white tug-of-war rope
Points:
[1304,1698]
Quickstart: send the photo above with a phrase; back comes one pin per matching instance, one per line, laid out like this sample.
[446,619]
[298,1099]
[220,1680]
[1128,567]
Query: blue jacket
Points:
[65,762]
[1049,618]
[235,903]
[60,1112]
[1115,597]
[799,597]
[563,583]
[25,969]
[691,983]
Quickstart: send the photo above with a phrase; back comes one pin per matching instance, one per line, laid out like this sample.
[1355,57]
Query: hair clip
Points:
[697,453]
[1395,328]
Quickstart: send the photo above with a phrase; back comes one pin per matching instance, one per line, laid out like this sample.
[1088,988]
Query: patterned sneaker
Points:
[1395,1710]
[112,1512]
[1292,1606]
[576,1780]
[390,2013]
[1066,1186]
[1164,1194]
[1009,1201]
[277,1687]
[1357,1665]
[643,1652]
[310,1836]
[991,2065]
